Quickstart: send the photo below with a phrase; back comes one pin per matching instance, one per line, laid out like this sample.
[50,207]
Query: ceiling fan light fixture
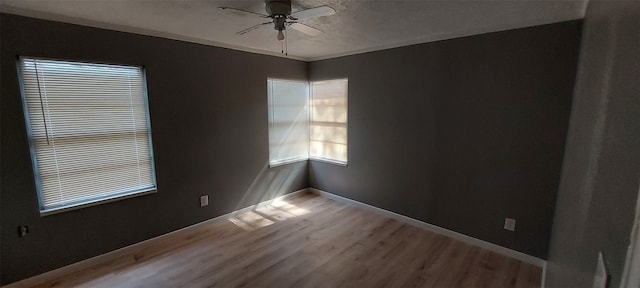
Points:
[280,35]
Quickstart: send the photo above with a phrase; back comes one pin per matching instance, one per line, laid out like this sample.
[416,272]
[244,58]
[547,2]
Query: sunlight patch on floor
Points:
[276,211]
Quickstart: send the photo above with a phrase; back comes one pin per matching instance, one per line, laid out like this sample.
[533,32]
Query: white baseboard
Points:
[446,232]
[544,274]
[109,256]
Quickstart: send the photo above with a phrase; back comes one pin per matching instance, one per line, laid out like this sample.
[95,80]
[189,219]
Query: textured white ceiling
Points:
[358,26]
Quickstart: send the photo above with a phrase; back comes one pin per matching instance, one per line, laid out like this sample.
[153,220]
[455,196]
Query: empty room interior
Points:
[320,143]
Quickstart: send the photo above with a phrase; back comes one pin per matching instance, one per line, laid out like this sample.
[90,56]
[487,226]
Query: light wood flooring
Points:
[306,241]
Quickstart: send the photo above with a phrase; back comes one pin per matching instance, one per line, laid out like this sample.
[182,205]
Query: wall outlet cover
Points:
[510,224]
[204,200]
[23,231]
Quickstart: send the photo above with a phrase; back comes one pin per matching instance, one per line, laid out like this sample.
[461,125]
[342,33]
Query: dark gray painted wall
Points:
[209,122]
[599,186]
[460,133]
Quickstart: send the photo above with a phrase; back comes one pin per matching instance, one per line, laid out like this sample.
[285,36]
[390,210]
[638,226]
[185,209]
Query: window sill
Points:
[286,162]
[90,203]
[329,161]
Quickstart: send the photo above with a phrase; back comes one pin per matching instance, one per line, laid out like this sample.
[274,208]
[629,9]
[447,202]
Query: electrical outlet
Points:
[204,200]
[510,224]
[23,231]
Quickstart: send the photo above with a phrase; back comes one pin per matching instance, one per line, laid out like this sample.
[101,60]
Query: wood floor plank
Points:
[224,257]
[458,266]
[388,261]
[432,264]
[323,234]
[471,279]
[305,241]
[315,253]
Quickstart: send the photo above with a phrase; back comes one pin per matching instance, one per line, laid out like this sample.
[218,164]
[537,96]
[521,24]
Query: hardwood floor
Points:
[306,241]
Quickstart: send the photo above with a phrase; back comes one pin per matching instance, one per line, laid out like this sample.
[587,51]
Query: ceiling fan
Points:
[281,17]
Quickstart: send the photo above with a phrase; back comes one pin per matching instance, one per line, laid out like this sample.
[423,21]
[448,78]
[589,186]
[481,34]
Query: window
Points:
[328,137]
[89,132]
[288,121]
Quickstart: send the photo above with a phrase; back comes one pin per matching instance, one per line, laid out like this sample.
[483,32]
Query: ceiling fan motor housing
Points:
[278,7]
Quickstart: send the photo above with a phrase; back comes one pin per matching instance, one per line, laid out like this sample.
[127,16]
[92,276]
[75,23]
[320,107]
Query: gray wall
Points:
[209,122]
[460,133]
[601,172]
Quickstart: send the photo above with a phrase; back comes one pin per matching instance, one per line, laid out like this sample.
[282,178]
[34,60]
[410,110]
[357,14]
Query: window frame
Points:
[270,122]
[322,159]
[32,149]
[309,157]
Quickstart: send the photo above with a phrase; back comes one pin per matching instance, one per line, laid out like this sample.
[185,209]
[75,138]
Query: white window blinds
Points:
[288,121]
[89,131]
[328,138]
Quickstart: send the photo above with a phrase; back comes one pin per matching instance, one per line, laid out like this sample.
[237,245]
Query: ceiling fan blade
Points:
[254,27]
[305,29]
[242,12]
[312,13]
